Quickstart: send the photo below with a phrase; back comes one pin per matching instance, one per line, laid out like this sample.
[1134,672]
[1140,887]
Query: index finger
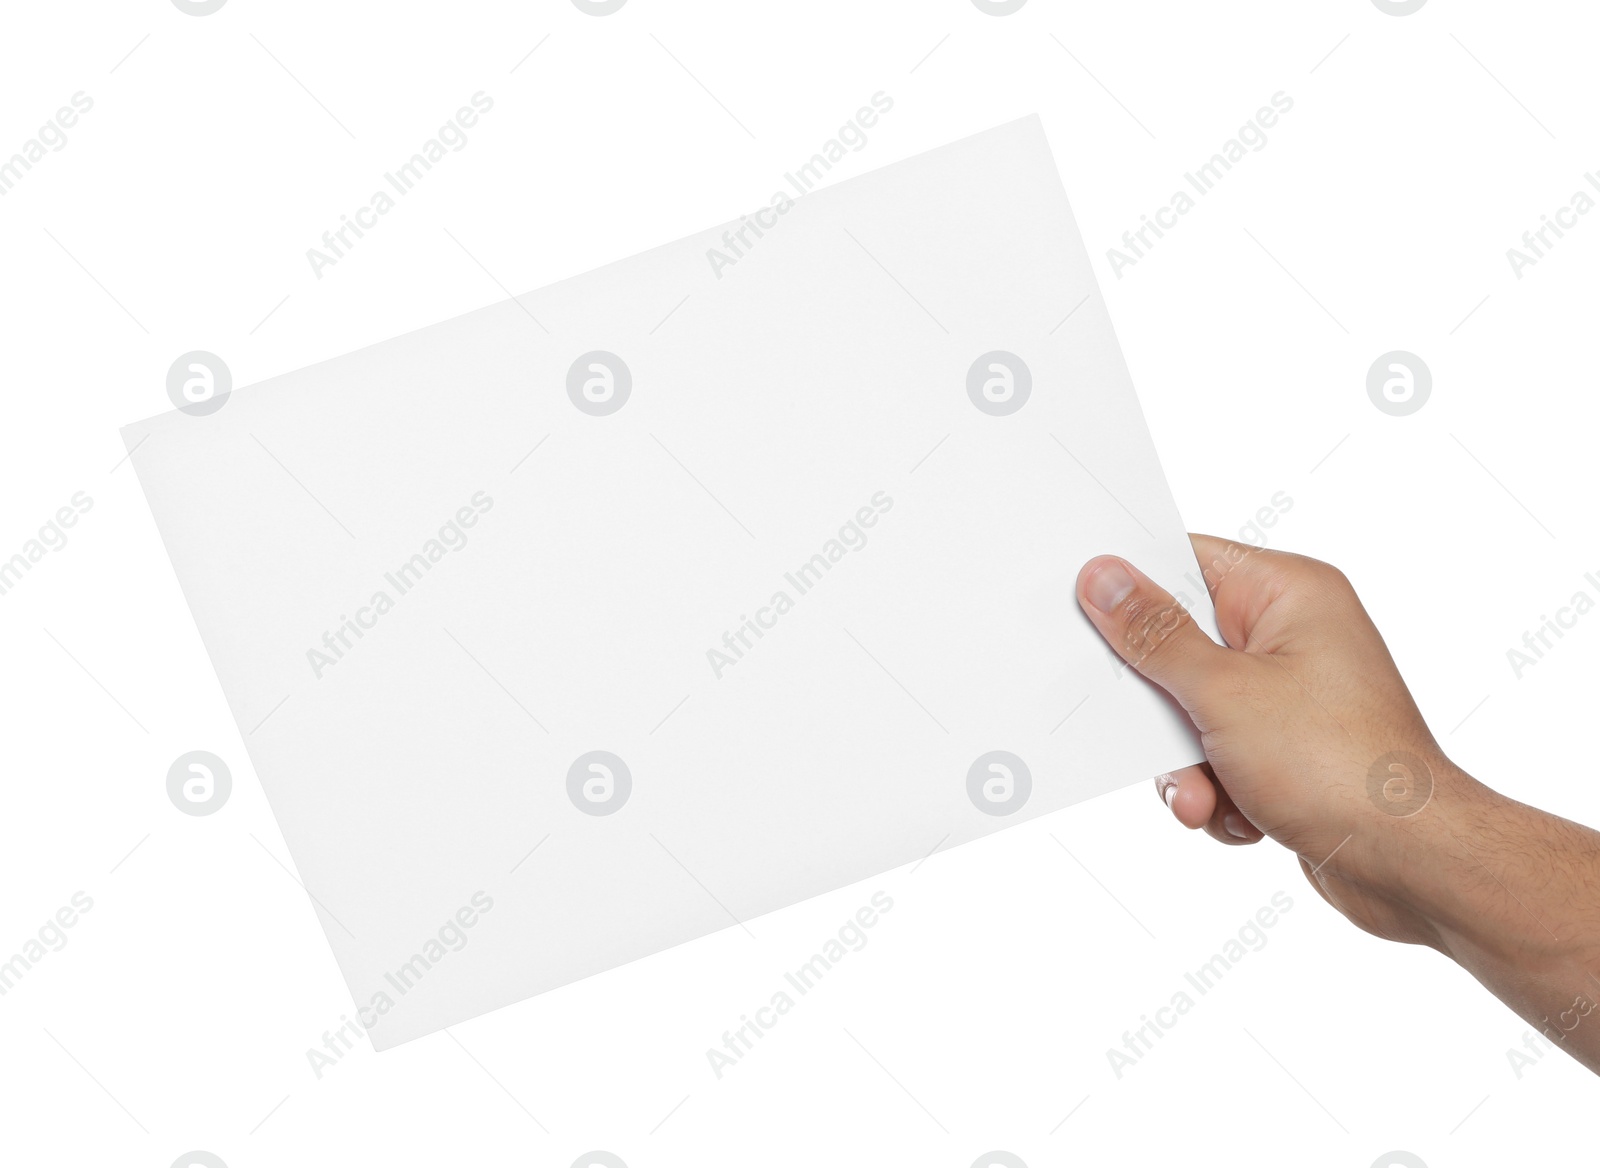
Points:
[1243,581]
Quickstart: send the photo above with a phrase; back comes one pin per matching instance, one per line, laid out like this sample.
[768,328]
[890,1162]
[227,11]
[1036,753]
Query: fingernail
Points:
[1108,586]
[1167,788]
[1236,826]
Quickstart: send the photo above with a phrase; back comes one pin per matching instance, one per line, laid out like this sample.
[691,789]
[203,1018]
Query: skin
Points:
[1312,738]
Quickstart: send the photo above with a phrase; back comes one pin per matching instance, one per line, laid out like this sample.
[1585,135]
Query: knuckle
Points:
[1335,580]
[1332,597]
[1325,576]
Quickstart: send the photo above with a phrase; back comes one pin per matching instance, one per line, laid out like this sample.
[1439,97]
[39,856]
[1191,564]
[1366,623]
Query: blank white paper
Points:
[601,619]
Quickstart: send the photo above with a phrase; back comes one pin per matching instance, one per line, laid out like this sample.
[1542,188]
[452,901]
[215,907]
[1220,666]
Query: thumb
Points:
[1149,629]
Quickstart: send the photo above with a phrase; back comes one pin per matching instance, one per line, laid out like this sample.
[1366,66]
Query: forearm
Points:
[1513,894]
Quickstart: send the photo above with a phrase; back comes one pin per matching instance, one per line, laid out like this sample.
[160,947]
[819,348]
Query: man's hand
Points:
[1313,739]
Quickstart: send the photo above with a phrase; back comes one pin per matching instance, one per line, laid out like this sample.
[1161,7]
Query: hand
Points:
[1293,718]
[1312,738]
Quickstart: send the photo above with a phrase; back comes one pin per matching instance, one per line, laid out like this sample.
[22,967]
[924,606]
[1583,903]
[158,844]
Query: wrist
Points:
[1467,865]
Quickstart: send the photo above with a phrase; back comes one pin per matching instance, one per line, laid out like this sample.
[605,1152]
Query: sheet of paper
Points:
[601,619]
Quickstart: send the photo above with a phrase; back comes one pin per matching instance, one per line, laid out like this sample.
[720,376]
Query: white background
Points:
[1377,217]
